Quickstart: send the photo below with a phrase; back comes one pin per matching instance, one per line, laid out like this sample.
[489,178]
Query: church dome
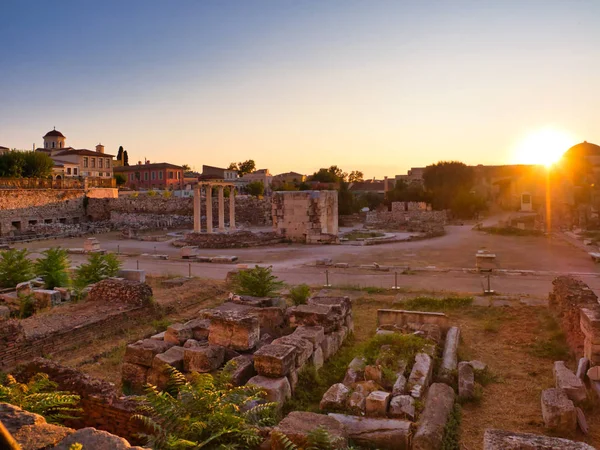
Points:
[54,133]
[583,150]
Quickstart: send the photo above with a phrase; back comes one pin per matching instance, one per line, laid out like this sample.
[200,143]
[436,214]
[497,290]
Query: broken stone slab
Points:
[274,360]
[154,256]
[24,288]
[158,374]
[134,376]
[292,377]
[566,380]
[297,425]
[91,438]
[304,348]
[593,373]
[433,419]
[200,328]
[402,407]
[4,313]
[178,333]
[341,265]
[349,322]
[65,293]
[357,402]
[188,252]
[466,381]
[257,302]
[132,275]
[317,359]
[582,368]
[384,434]
[558,411]
[324,262]
[339,305]
[377,403]
[240,369]
[335,398]
[374,373]
[449,358]
[399,386]
[224,259]
[400,318]
[203,359]
[581,422]
[237,331]
[314,315]
[328,346]
[277,390]
[420,375]
[143,352]
[355,371]
[47,297]
[384,332]
[509,440]
[478,366]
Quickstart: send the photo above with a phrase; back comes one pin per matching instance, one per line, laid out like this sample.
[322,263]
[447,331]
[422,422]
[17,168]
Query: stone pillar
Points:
[221,209]
[231,208]
[197,211]
[209,222]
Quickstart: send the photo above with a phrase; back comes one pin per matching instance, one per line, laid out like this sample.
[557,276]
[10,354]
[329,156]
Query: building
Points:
[72,162]
[4,150]
[217,173]
[163,176]
[262,175]
[368,187]
[293,178]
[414,175]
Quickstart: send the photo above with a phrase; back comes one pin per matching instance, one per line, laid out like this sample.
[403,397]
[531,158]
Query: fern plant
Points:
[53,267]
[15,267]
[203,412]
[40,396]
[97,268]
[257,282]
[317,439]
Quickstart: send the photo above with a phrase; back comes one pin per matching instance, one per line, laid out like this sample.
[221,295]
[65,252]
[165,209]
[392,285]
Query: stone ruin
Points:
[259,341]
[310,217]
[409,216]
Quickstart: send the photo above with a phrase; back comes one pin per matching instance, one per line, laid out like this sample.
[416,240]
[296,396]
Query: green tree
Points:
[125,158]
[346,202]
[120,154]
[355,176]
[405,192]
[257,282]
[53,267]
[37,165]
[299,294]
[15,267]
[186,168]
[445,180]
[203,411]
[120,179]
[98,267]
[256,188]
[243,167]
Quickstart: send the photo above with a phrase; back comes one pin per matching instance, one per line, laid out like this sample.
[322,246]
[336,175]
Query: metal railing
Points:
[65,183]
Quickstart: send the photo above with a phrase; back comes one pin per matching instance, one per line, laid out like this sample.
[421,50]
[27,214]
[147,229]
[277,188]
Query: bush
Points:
[98,267]
[167,194]
[39,396]
[401,347]
[53,268]
[15,268]
[26,306]
[203,412]
[152,193]
[299,294]
[257,282]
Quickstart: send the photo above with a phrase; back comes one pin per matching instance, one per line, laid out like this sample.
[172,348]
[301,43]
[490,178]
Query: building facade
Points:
[163,176]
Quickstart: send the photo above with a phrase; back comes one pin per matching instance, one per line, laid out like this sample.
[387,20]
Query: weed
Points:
[356,235]
[299,294]
[553,345]
[491,326]
[401,347]
[436,304]
[161,324]
[451,439]
[15,267]
[486,376]
[475,399]
[26,306]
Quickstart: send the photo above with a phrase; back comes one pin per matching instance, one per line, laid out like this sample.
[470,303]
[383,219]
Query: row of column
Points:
[209,211]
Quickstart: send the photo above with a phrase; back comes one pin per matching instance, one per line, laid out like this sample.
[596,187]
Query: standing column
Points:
[231,208]
[197,212]
[209,222]
[221,209]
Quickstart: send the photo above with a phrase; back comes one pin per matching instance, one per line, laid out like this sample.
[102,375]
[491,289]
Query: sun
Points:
[544,146]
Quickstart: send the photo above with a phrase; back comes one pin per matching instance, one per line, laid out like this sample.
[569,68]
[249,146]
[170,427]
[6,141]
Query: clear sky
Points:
[373,85]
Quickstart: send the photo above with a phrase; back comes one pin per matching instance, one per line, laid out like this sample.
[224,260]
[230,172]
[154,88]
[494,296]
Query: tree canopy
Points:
[256,188]
[29,164]
[243,167]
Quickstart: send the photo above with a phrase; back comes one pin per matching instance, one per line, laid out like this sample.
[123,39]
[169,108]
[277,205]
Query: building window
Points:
[93,163]
[45,144]
[108,163]
[153,175]
[53,145]
[61,145]
[100,163]
[179,175]
[74,170]
[131,177]
[85,162]
[160,175]
[170,175]
[68,171]
[145,176]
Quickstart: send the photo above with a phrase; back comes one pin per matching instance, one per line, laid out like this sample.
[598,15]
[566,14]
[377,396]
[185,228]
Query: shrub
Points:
[299,294]
[203,412]
[152,193]
[98,268]
[317,439]
[15,267]
[401,347]
[39,396]
[167,194]
[451,439]
[26,306]
[53,268]
[257,282]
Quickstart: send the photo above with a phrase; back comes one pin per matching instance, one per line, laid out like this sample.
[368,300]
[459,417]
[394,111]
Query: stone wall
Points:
[578,311]
[410,206]
[310,217]
[411,220]
[238,239]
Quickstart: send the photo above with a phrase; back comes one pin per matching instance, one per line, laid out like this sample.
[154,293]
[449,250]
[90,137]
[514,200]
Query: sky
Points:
[374,85]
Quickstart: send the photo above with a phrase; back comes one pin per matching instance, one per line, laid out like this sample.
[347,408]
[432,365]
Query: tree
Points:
[186,168]
[15,267]
[243,167]
[97,268]
[120,154]
[355,176]
[331,175]
[445,180]
[16,164]
[346,202]
[408,192]
[256,188]
[257,282]
[53,267]
[125,158]
[120,179]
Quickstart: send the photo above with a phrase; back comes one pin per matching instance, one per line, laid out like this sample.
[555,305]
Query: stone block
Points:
[91,438]
[349,322]
[420,375]
[315,315]
[292,377]
[47,297]
[203,359]
[65,293]
[566,380]
[449,358]
[188,252]
[339,305]
[240,369]
[335,398]
[4,313]
[298,424]
[558,411]
[24,288]
[400,318]
[582,367]
[304,348]
[178,334]
[172,357]
[316,359]
[159,336]
[466,380]
[370,432]
[438,407]
[274,360]
[328,346]
[374,373]
[277,390]
[402,407]
[478,366]
[377,403]
[200,328]
[355,371]
[134,375]
[143,352]
[399,386]
[357,402]
[236,331]
[132,275]
[509,440]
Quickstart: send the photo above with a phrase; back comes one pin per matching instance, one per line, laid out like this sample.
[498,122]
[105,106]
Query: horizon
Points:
[296,86]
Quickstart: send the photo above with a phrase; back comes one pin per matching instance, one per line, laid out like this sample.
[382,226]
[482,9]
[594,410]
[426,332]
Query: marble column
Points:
[197,211]
[221,209]
[209,221]
[231,208]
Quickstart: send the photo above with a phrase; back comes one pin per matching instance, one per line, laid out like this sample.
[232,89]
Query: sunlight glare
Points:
[545,146]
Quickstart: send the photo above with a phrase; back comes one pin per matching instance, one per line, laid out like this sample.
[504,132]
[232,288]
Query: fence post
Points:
[327,279]
[395,286]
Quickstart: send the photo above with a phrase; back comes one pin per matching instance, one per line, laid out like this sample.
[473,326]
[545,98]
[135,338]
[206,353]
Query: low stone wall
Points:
[578,311]
[239,239]
[411,220]
[388,319]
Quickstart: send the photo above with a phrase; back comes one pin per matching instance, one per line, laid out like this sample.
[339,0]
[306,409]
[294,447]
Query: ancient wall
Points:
[411,220]
[147,210]
[238,239]
[578,311]
[410,206]
[306,216]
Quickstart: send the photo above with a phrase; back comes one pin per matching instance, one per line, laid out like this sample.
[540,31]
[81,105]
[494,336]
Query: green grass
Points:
[355,287]
[511,231]
[161,324]
[451,439]
[552,343]
[401,347]
[355,235]
[436,304]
